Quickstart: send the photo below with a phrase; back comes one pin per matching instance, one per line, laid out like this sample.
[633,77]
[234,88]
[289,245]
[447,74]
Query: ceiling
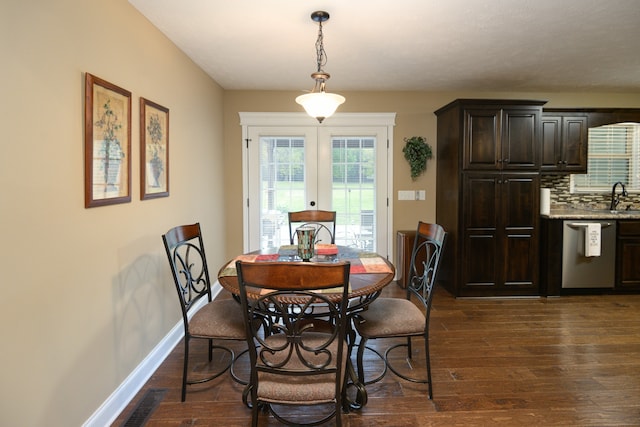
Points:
[407,45]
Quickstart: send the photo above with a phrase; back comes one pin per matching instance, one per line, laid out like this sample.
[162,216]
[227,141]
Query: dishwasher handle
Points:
[578,225]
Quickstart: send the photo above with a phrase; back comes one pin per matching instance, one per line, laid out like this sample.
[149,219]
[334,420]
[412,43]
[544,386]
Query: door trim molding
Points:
[302,119]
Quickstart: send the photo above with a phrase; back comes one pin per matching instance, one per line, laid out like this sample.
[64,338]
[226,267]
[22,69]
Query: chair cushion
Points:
[291,389]
[303,389]
[391,317]
[219,319]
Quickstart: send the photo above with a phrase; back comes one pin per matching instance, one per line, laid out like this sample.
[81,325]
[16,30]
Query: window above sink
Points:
[613,155]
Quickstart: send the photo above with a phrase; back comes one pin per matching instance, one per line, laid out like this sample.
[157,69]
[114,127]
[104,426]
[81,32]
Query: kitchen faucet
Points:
[615,198]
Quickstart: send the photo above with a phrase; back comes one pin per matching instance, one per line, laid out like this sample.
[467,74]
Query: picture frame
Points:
[154,150]
[107,143]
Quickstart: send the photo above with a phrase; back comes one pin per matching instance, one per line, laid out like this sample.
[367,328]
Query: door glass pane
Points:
[353,190]
[282,187]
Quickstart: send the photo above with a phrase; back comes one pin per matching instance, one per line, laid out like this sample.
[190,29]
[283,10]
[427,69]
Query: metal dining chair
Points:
[216,319]
[298,357]
[324,223]
[405,317]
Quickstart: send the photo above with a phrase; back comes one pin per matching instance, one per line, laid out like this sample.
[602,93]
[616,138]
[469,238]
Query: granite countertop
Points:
[579,212]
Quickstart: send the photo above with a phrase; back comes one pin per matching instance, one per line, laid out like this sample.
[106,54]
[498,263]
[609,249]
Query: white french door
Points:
[282,174]
[343,167]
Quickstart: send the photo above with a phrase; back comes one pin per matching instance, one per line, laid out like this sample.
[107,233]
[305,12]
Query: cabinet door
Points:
[628,265]
[628,254]
[481,138]
[500,234]
[499,139]
[551,150]
[481,215]
[519,139]
[574,144]
[519,232]
[564,144]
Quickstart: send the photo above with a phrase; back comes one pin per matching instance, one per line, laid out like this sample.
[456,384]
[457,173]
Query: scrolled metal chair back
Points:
[300,312]
[296,321]
[303,334]
[185,251]
[425,259]
[324,223]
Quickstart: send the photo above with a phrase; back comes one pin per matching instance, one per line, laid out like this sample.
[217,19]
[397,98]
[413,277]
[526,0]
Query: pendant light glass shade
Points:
[320,104]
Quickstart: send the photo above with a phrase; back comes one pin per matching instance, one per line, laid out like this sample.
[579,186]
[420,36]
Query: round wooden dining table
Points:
[369,274]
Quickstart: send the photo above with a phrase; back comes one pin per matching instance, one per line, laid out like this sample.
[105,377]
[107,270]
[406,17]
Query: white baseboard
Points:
[106,414]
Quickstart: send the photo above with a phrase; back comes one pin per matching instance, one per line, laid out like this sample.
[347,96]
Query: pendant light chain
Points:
[320,52]
[319,103]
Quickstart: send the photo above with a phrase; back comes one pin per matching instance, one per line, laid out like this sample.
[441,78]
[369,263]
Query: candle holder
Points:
[306,239]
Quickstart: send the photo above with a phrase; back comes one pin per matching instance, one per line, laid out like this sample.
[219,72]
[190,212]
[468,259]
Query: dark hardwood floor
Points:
[566,361]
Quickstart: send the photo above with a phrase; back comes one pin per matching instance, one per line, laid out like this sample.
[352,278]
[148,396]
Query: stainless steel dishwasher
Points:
[580,271]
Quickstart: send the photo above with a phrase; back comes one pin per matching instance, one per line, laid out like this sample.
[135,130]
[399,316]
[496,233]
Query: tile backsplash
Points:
[560,194]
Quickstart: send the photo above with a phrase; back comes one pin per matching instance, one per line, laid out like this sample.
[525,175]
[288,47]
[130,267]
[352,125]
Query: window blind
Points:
[613,155]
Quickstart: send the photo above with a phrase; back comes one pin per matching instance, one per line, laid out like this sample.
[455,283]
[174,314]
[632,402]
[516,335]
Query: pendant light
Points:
[320,104]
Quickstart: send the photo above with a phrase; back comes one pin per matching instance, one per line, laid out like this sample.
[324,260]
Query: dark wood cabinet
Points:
[563,143]
[551,239]
[500,240]
[628,259]
[487,196]
[501,138]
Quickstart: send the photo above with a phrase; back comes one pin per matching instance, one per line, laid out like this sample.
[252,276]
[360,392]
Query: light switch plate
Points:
[406,195]
[422,195]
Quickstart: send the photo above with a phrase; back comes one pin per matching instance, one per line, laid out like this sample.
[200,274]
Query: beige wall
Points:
[414,117]
[86,293]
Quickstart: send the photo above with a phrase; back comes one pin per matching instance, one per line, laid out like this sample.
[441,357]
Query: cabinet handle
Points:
[578,225]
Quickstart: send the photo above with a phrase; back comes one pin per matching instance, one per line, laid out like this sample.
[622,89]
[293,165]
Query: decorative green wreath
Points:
[417,152]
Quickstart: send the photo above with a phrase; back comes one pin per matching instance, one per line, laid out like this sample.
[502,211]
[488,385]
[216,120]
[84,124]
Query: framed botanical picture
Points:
[107,143]
[154,150]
